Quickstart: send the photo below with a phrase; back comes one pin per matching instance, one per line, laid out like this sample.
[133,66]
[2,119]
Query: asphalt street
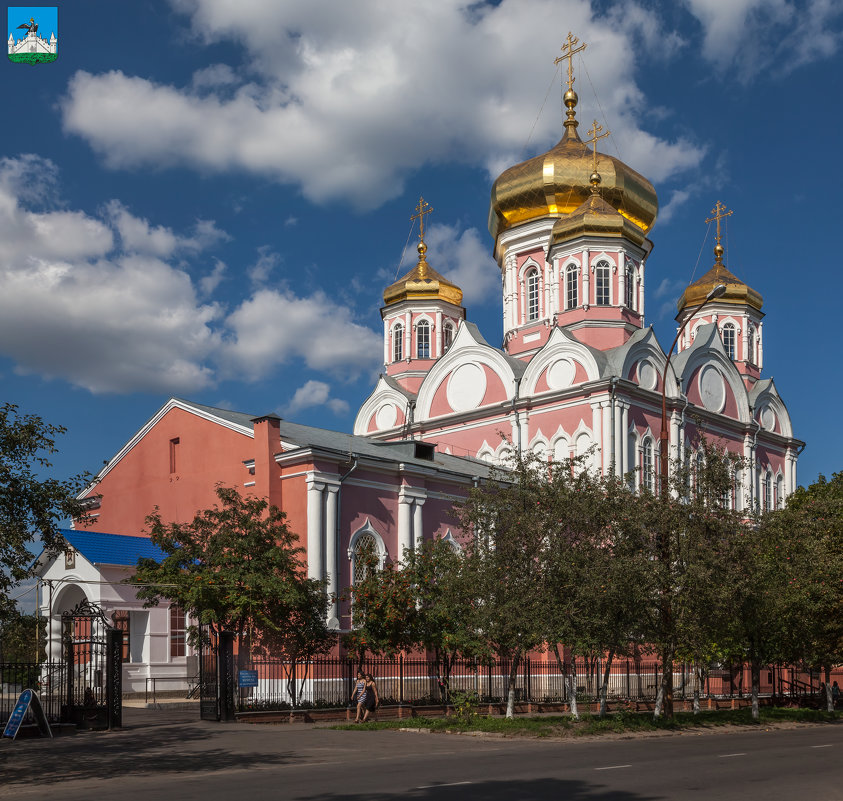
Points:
[172,755]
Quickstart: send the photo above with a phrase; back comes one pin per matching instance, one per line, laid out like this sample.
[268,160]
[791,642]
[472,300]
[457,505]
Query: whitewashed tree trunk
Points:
[510,696]
[604,687]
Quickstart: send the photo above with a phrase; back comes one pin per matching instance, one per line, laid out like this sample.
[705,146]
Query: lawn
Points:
[620,722]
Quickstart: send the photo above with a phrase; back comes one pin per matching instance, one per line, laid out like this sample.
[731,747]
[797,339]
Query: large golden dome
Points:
[557,183]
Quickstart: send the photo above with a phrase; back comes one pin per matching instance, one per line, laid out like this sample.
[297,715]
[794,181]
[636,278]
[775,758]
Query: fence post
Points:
[67,637]
[401,678]
[628,685]
[114,677]
[225,675]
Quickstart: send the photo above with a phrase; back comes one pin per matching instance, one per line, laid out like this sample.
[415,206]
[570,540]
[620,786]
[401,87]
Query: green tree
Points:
[31,506]
[811,529]
[238,566]
[23,638]
[505,519]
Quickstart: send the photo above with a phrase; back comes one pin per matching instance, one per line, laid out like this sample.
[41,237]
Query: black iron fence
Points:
[47,679]
[329,682]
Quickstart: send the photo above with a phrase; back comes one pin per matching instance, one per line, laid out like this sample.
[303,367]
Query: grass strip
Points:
[619,722]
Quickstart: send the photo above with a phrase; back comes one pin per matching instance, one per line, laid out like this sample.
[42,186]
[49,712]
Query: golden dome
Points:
[737,292]
[557,182]
[595,217]
[422,283]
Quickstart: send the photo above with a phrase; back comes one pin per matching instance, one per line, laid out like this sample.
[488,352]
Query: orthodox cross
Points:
[595,134]
[719,212]
[568,51]
[422,208]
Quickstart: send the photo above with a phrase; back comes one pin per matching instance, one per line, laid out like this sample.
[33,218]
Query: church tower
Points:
[737,313]
[570,230]
[421,314]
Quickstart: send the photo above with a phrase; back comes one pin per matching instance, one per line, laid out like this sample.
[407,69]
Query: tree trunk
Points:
[697,684]
[755,667]
[570,682]
[513,675]
[604,687]
[664,697]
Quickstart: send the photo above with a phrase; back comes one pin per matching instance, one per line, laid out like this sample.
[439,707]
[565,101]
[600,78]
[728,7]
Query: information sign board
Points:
[248,678]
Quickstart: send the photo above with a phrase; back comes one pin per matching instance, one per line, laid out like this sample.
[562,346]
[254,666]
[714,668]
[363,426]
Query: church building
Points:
[579,374]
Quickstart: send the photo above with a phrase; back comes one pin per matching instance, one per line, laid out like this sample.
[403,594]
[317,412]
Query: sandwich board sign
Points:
[27,700]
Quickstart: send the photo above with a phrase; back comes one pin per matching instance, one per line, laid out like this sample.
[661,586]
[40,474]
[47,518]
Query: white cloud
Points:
[274,326]
[747,37]
[267,261]
[95,301]
[380,88]
[678,198]
[462,257]
[315,393]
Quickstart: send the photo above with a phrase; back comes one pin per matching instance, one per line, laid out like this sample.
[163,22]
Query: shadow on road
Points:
[140,751]
[529,790]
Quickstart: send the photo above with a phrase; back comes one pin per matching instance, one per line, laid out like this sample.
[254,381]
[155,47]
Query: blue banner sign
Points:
[248,678]
[18,714]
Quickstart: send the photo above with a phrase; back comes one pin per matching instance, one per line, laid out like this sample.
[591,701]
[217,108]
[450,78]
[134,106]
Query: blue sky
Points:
[206,199]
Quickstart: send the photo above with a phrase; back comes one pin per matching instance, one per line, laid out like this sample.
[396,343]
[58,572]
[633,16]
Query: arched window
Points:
[447,337]
[363,556]
[397,342]
[779,493]
[750,345]
[729,340]
[601,287]
[768,491]
[629,286]
[423,340]
[572,295]
[649,465]
[532,295]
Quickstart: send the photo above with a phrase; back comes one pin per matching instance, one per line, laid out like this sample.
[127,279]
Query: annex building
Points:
[579,374]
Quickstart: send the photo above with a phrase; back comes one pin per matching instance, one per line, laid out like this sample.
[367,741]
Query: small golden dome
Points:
[595,217]
[557,183]
[422,283]
[737,292]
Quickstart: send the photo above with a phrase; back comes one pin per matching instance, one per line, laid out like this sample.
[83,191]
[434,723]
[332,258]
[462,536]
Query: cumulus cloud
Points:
[96,302]
[315,393]
[746,37]
[383,88]
[274,326]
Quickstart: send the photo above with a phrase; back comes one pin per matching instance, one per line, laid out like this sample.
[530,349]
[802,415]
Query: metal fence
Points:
[329,682]
[47,679]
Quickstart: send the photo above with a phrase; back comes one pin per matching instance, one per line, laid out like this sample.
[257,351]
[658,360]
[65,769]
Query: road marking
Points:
[724,756]
[614,767]
[822,746]
[434,786]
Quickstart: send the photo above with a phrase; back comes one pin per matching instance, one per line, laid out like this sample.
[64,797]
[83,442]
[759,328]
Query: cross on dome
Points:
[422,208]
[595,134]
[719,212]
[569,51]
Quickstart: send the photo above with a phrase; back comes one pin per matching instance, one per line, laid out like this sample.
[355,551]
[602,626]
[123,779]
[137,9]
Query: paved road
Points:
[168,755]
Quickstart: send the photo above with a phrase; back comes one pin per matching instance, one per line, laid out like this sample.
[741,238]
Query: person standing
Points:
[372,701]
[359,694]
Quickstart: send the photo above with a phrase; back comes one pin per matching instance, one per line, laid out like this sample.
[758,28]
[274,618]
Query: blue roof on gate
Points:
[112,549]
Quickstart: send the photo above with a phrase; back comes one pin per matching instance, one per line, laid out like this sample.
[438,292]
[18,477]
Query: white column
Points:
[511,293]
[408,335]
[748,483]
[522,312]
[760,346]
[624,438]
[386,353]
[331,547]
[438,334]
[417,524]
[641,292]
[404,526]
[621,280]
[620,436]
[315,547]
[606,437]
[586,280]
[674,436]
[596,432]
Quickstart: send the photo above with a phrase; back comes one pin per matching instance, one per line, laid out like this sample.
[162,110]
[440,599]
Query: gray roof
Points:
[302,436]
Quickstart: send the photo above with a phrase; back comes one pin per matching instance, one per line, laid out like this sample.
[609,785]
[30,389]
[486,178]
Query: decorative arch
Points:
[452,541]
[382,394]
[648,348]
[559,345]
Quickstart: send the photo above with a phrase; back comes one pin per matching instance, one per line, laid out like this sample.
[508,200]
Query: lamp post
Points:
[664,535]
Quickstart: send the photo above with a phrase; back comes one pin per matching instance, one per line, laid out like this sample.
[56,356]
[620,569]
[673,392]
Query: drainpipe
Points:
[515,399]
[343,477]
